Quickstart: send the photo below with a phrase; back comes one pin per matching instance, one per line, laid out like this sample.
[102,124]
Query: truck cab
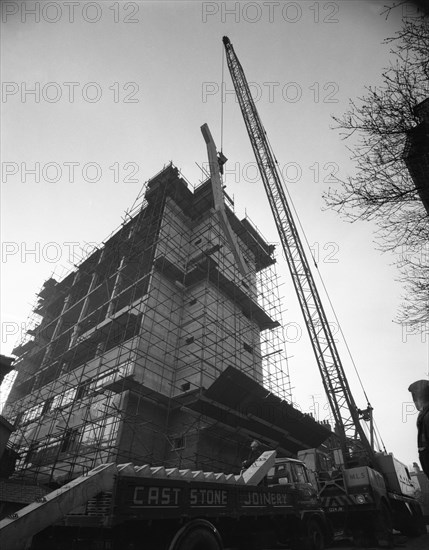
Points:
[293,474]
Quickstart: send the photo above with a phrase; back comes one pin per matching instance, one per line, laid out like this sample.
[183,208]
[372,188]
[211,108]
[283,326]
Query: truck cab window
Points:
[280,474]
[300,474]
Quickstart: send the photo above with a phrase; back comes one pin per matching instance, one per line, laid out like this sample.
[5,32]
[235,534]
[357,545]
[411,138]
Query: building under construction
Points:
[156,349]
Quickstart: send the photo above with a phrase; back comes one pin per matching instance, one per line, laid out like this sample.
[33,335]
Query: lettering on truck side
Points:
[148,497]
[359,476]
[172,497]
[264,499]
[156,496]
[208,497]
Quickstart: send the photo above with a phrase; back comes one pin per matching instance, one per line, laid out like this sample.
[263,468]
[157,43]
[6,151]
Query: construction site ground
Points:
[417,543]
[400,542]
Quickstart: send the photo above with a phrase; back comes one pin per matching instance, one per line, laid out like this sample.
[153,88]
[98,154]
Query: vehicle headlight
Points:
[360,499]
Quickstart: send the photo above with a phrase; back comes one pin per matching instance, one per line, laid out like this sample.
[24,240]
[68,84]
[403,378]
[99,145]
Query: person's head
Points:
[254,445]
[420,392]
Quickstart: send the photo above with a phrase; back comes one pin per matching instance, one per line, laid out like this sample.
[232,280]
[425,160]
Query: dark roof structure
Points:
[237,400]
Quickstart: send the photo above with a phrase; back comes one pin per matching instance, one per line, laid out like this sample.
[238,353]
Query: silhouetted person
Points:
[420,392]
[255,452]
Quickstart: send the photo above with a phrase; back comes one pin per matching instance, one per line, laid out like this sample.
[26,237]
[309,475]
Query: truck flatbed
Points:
[171,508]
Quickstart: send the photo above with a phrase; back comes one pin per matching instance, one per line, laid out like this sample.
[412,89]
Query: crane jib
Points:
[344,409]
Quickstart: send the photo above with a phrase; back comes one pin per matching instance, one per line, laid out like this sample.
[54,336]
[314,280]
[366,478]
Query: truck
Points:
[125,507]
[366,503]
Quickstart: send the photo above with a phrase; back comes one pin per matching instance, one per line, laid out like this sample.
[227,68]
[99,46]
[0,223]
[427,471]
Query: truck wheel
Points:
[312,539]
[413,522]
[199,539]
[200,536]
[316,538]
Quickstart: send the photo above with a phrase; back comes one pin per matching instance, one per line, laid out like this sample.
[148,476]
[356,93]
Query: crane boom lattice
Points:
[345,412]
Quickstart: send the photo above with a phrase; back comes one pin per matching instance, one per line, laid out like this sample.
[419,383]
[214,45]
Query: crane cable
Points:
[314,261]
[322,282]
[305,238]
[221,100]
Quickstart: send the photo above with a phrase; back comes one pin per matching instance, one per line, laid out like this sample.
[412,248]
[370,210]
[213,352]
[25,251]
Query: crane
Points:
[353,440]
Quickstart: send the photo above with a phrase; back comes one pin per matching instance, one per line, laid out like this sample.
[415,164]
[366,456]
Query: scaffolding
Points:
[154,315]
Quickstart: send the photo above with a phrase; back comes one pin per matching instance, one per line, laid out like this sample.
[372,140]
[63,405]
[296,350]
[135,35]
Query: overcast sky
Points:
[121,89]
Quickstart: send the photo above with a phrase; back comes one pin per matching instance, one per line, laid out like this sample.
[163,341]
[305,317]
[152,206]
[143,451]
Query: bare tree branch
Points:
[382,190]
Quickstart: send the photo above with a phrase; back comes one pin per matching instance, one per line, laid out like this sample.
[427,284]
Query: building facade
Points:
[124,349]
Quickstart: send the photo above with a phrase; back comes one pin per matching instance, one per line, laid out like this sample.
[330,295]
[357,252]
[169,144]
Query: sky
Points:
[98,96]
